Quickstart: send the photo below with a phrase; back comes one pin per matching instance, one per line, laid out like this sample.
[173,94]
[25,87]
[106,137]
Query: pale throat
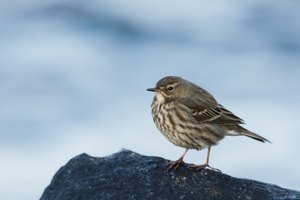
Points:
[160,98]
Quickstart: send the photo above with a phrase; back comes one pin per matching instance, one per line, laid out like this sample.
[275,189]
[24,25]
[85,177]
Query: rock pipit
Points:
[190,117]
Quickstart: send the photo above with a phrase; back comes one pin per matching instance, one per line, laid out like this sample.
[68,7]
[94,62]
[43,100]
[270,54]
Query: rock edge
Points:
[128,175]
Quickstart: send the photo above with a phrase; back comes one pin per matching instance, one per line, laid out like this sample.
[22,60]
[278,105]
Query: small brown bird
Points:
[190,117]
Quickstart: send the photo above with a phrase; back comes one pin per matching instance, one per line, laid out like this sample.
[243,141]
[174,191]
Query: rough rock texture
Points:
[128,175]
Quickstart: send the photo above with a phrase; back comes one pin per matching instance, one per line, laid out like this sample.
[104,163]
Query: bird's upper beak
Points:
[151,89]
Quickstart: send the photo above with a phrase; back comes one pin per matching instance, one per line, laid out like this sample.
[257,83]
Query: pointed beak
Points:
[151,89]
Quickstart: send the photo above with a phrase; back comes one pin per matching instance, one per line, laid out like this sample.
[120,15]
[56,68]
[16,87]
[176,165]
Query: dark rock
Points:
[128,175]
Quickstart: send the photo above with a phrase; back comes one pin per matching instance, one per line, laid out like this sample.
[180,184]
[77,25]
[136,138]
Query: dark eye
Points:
[170,88]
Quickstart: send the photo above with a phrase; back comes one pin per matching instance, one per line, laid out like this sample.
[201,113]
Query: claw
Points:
[175,165]
[200,167]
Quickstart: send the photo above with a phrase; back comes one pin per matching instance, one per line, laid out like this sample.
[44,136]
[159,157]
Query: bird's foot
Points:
[204,166]
[174,165]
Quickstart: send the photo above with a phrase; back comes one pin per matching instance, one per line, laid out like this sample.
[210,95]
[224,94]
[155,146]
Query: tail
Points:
[239,130]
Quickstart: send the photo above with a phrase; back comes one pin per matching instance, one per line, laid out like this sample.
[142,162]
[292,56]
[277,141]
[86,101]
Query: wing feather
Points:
[203,111]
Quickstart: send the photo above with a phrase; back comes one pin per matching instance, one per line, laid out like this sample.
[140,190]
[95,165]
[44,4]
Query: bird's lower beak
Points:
[151,89]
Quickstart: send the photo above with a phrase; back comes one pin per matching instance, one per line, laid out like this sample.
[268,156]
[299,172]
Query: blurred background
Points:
[73,79]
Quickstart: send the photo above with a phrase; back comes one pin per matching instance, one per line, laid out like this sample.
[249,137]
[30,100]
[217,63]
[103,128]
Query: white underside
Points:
[232,133]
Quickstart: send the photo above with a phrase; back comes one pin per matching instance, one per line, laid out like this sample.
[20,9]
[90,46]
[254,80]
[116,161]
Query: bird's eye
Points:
[170,88]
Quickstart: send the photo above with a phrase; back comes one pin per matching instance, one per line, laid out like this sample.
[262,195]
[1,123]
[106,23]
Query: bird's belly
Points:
[185,140]
[182,132]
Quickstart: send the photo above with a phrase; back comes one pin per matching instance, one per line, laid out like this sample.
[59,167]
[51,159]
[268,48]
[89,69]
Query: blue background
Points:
[73,79]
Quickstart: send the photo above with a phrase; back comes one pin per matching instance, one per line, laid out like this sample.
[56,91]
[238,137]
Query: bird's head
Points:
[171,87]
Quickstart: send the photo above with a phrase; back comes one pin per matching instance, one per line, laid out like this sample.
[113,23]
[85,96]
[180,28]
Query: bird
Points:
[191,118]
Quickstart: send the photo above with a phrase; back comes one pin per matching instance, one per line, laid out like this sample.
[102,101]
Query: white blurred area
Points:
[73,79]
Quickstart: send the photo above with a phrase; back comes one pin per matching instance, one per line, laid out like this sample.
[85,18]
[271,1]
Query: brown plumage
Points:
[190,117]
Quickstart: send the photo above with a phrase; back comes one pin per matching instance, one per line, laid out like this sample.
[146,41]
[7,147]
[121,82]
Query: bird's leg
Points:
[175,165]
[206,165]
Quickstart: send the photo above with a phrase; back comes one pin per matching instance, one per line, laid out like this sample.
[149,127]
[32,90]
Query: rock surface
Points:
[128,175]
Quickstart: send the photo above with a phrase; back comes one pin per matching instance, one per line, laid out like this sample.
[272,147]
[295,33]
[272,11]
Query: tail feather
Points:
[239,130]
[256,137]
